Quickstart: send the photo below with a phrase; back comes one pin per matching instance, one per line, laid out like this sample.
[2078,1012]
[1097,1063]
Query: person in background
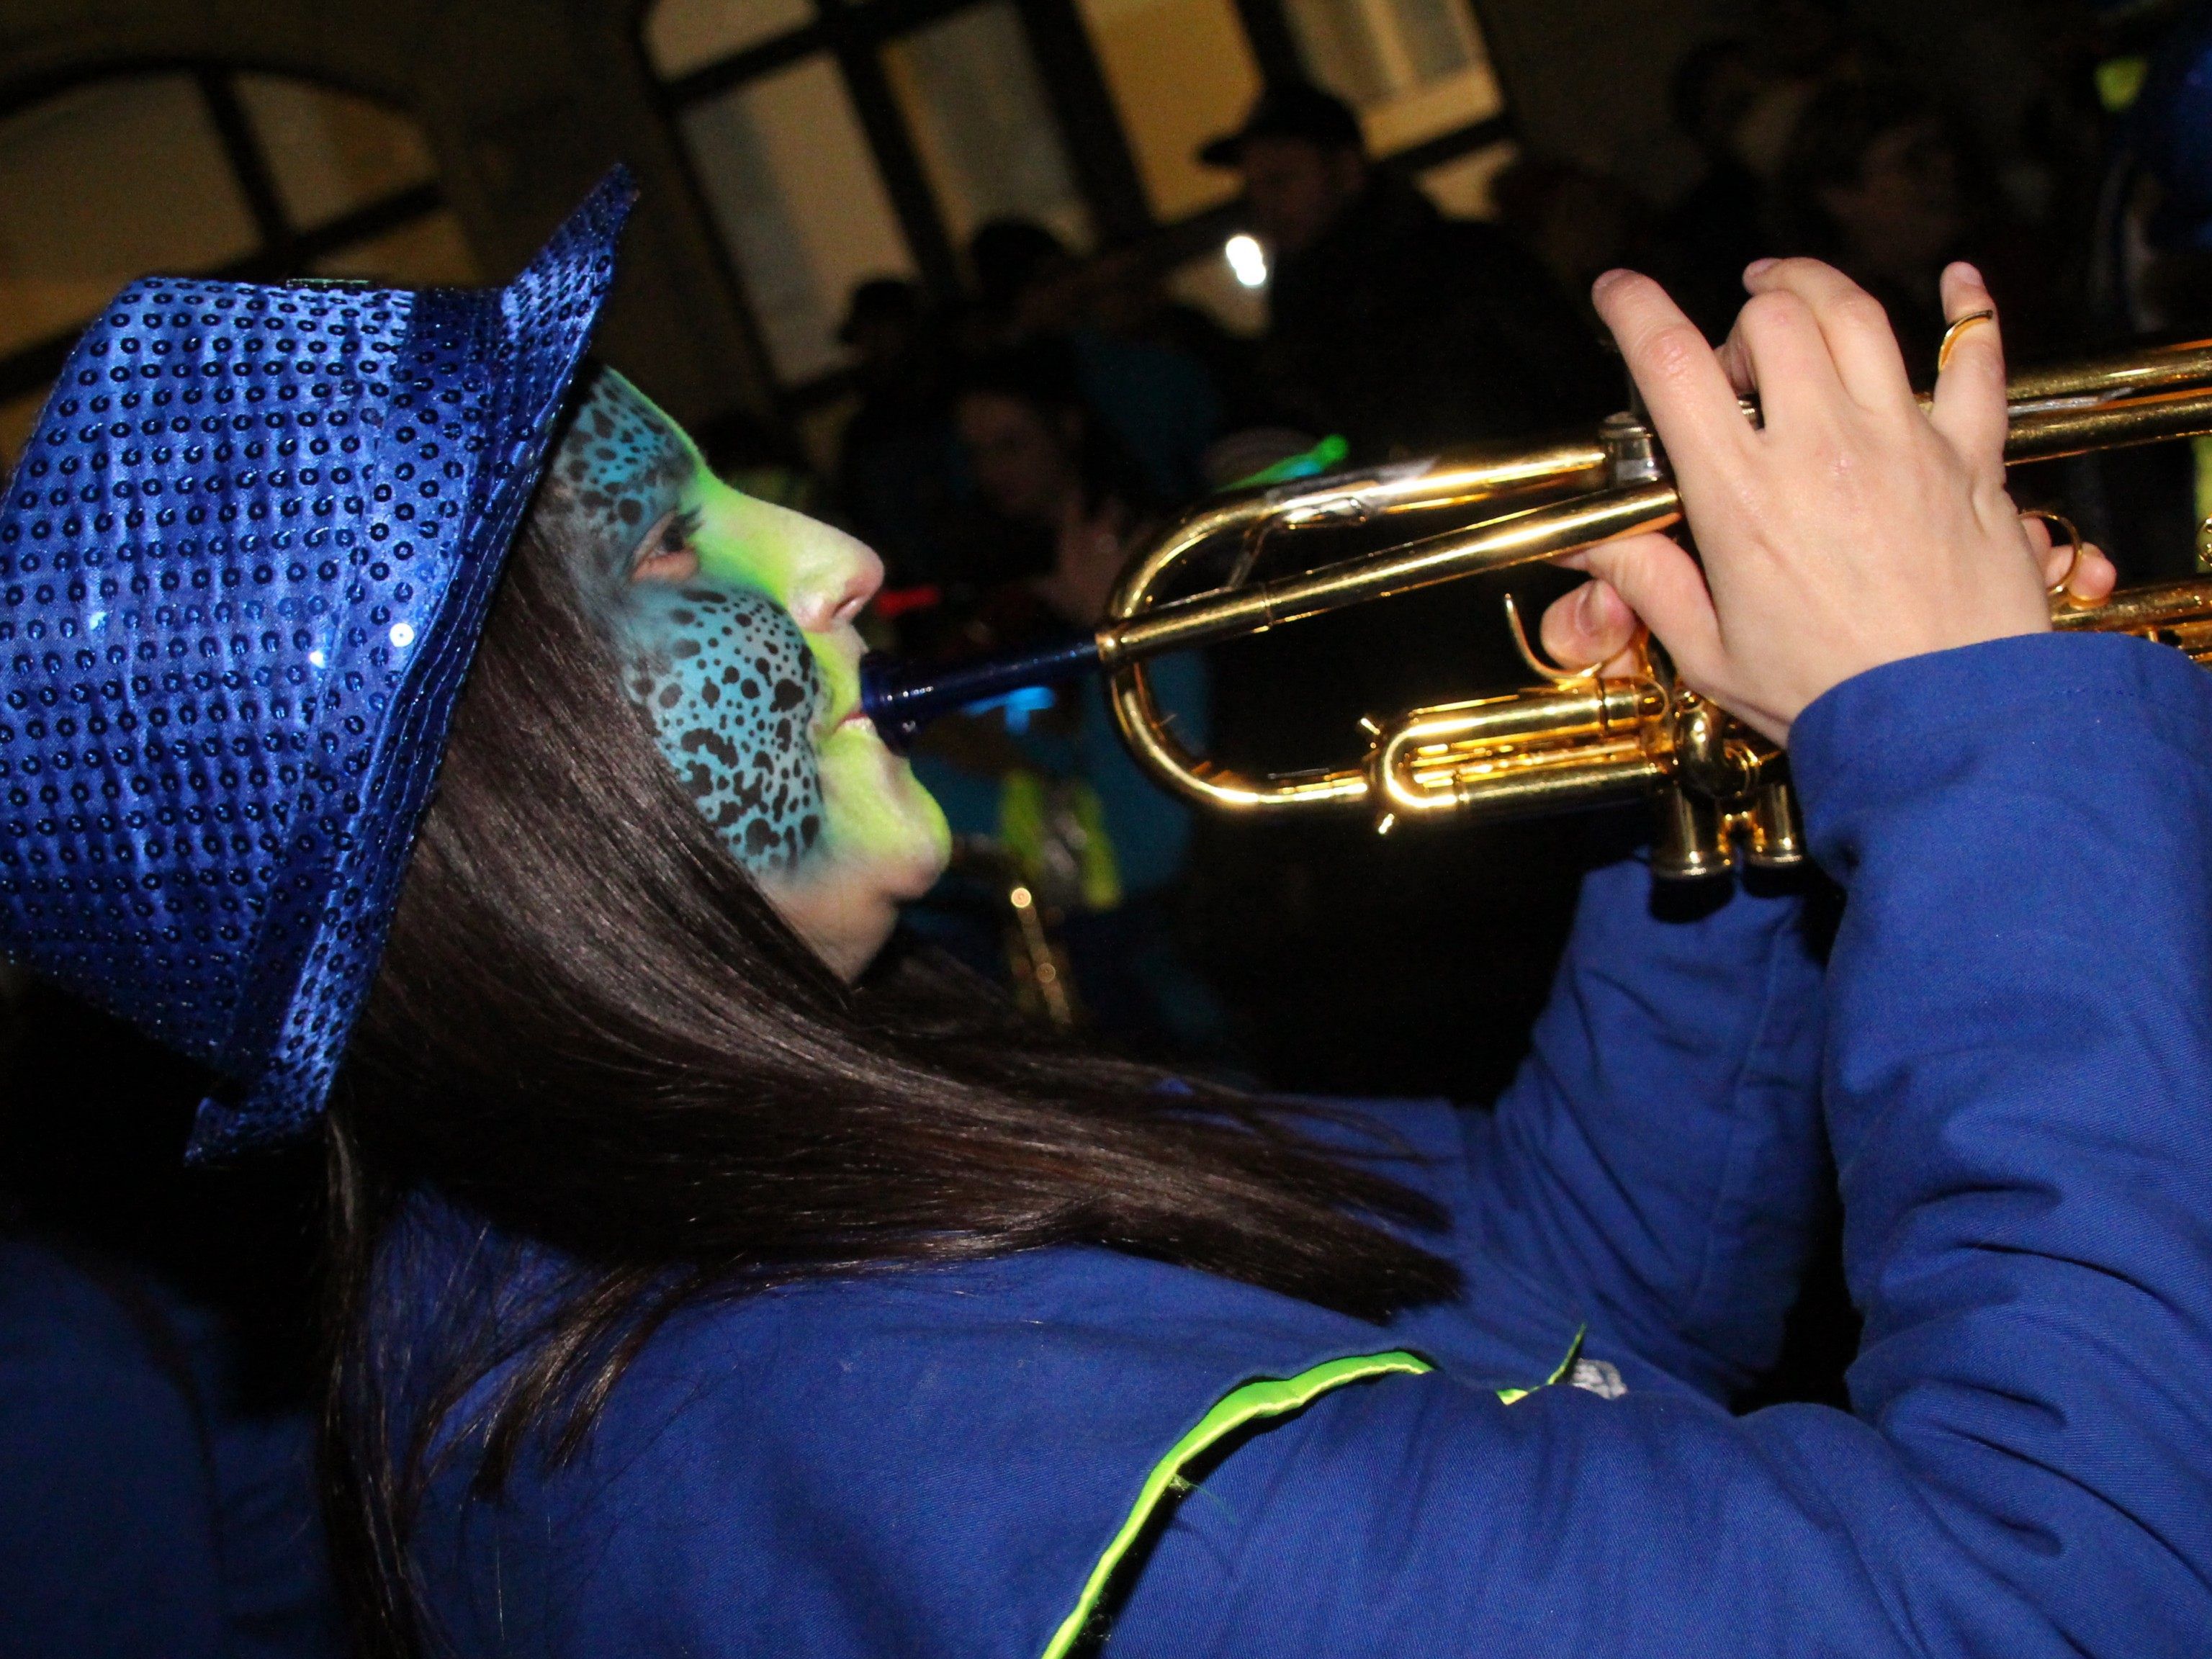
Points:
[896,457]
[746,453]
[1701,246]
[1579,221]
[1156,397]
[1129,299]
[1028,281]
[1872,181]
[1401,329]
[1404,332]
[1100,842]
[2151,271]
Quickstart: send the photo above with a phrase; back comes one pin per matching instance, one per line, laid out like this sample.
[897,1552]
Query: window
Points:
[1411,68]
[684,35]
[837,143]
[787,171]
[975,104]
[1181,73]
[832,140]
[1461,186]
[251,176]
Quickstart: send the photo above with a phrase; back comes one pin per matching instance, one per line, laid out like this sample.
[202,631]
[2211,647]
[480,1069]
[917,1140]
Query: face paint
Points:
[732,686]
[620,470]
[733,691]
[733,621]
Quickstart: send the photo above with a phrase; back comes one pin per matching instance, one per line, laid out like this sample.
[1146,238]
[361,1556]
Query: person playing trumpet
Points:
[710,1281]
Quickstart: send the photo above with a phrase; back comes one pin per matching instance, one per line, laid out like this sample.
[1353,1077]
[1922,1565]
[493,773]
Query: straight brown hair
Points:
[592,1032]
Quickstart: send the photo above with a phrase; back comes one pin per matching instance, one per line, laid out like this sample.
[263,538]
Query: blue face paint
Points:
[733,692]
[733,689]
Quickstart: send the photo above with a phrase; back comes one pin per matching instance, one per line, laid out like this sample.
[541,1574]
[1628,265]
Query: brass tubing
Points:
[1158,753]
[1483,472]
[1595,707]
[1458,478]
[1528,752]
[1570,782]
[1548,532]
[2135,609]
[1540,533]
[2040,435]
[2129,373]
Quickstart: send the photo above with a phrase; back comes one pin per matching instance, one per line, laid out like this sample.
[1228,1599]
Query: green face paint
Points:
[732,619]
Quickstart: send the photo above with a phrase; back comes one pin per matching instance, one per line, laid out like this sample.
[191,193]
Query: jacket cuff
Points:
[1960,734]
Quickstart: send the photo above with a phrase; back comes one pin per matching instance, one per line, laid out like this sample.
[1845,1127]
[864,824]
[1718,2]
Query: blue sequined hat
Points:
[245,557]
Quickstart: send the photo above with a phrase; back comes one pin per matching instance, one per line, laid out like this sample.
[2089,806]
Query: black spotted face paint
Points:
[733,688]
[733,692]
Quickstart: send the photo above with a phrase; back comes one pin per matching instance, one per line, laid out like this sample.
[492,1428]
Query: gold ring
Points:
[2074,546]
[1951,336]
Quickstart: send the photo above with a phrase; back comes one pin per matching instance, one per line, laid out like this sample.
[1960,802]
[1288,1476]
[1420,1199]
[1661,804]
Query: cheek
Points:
[733,693]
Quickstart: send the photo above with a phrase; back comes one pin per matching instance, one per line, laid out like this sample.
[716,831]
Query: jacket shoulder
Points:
[907,1461]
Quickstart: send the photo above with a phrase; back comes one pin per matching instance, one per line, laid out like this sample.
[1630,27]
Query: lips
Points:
[855,716]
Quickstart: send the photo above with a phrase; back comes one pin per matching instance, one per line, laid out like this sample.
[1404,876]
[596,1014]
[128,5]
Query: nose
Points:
[836,585]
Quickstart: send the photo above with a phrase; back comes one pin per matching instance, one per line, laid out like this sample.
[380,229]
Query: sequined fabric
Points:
[246,558]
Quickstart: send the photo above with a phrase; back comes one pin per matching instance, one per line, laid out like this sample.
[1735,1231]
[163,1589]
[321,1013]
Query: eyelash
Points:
[678,534]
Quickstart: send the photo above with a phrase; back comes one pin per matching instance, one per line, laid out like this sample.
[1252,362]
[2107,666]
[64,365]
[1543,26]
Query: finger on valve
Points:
[1843,331]
[2086,579]
[2075,571]
[1591,628]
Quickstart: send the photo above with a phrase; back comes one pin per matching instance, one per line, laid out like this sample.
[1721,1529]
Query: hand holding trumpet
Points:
[1852,530]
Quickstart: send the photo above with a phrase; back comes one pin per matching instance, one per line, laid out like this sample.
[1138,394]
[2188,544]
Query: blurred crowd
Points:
[1007,451]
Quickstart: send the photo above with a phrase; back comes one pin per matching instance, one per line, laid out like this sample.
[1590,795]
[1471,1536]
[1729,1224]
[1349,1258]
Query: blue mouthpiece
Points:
[901,698]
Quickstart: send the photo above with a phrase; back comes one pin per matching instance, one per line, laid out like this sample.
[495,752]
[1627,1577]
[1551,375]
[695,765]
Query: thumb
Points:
[1664,584]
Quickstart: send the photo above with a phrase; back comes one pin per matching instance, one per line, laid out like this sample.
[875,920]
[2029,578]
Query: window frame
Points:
[852,33]
[285,250]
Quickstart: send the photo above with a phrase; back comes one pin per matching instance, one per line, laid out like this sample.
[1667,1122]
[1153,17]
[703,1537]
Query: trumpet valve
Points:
[1725,784]
[1692,843]
[1774,834]
[1631,450]
[1711,758]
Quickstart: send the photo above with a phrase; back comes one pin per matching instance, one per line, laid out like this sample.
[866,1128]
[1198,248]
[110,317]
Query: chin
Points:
[925,848]
[879,816]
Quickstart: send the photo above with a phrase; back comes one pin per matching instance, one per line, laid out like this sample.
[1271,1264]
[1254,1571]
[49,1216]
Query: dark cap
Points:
[1289,109]
[880,300]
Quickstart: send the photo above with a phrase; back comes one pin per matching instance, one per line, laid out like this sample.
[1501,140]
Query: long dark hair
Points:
[590,1031]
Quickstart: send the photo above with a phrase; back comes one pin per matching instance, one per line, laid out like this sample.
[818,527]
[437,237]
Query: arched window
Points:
[200,171]
[838,140]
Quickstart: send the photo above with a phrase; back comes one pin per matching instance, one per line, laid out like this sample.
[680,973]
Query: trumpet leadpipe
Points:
[901,699]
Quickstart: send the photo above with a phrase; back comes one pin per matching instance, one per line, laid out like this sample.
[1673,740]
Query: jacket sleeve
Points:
[1658,1163]
[2019,1037]
[109,1525]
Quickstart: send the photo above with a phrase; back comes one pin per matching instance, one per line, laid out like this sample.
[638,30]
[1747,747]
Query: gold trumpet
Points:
[1577,740]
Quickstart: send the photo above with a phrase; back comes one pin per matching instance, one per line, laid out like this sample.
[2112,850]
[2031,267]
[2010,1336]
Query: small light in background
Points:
[1248,260]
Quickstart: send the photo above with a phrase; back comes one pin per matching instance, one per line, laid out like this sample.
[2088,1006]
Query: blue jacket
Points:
[2007,1058]
[147,1506]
